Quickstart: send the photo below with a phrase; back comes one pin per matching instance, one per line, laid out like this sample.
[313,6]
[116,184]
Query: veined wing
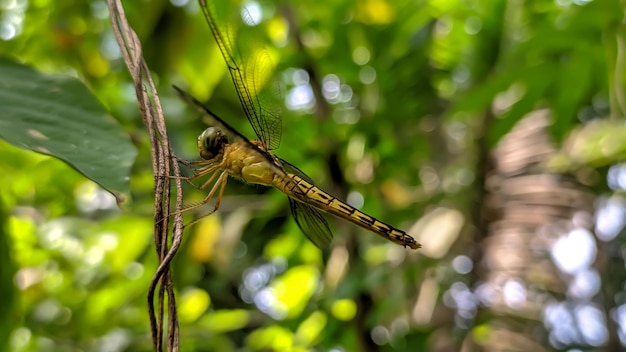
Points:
[309,220]
[264,116]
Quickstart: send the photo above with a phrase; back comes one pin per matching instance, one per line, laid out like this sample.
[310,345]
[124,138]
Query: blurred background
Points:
[492,131]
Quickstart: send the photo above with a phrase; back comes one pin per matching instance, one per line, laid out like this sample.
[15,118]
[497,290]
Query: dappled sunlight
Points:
[292,291]
[574,251]
[335,91]
[380,254]
[272,337]
[361,55]
[363,171]
[438,230]
[462,264]
[336,267]
[505,101]
[367,75]
[585,284]
[204,239]
[192,304]
[277,291]
[299,95]
[426,301]
[225,320]
[11,22]
[310,329]
[217,239]
[91,198]
[398,195]
[610,217]
[344,309]
[380,335]
[619,316]
[256,279]
[460,298]
[616,177]
[579,323]
[374,12]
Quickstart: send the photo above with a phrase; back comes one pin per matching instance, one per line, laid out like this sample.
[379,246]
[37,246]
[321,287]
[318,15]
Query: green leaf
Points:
[58,116]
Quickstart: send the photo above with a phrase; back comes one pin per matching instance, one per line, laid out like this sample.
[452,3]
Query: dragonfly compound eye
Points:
[210,143]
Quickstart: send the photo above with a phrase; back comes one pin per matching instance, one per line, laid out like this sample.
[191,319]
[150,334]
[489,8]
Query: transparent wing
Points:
[263,114]
[312,223]
[310,220]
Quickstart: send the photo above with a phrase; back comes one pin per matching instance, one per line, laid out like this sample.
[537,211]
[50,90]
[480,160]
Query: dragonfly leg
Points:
[197,166]
[200,173]
[202,187]
[221,184]
[181,161]
[193,163]
[199,162]
[210,180]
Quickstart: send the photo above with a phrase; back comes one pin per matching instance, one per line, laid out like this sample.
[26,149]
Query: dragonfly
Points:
[227,153]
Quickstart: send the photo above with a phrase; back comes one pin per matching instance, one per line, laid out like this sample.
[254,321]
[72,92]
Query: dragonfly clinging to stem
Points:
[226,152]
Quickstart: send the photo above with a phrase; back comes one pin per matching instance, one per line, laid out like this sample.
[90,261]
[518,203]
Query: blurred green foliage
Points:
[426,87]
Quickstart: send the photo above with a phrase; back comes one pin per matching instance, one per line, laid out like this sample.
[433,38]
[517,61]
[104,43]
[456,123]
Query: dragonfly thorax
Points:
[211,143]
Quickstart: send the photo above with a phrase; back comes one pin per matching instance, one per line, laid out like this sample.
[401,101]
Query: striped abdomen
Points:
[304,191]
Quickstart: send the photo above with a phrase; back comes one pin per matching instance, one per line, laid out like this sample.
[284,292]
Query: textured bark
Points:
[527,208]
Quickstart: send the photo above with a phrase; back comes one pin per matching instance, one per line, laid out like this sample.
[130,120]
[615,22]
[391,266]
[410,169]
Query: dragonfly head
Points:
[211,143]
